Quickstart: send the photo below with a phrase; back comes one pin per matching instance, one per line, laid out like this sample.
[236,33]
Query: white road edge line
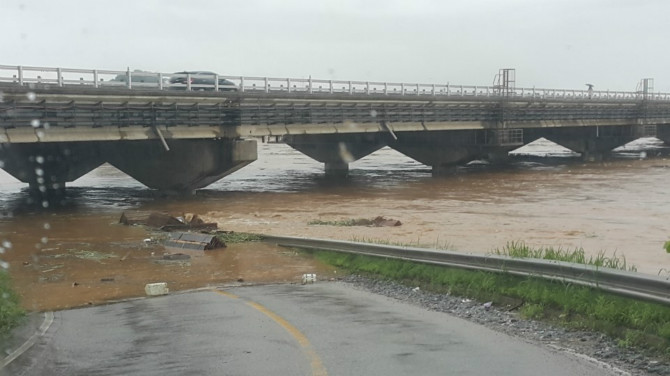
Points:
[48,320]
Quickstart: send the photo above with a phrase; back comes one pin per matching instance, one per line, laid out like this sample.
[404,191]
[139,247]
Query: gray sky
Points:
[552,44]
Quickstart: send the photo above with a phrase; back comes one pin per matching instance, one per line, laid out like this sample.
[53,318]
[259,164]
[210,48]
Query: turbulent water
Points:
[545,197]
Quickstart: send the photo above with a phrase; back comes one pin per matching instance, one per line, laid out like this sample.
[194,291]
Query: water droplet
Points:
[39,159]
[47,226]
[46,125]
[31,96]
[40,180]
[42,189]
[2,250]
[2,164]
[5,295]
[7,244]
[373,113]
[35,123]
[45,204]
[45,240]
[39,172]
[55,185]
[4,265]
[643,154]
[40,134]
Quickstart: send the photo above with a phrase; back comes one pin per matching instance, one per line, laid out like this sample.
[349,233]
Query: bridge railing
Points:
[207,81]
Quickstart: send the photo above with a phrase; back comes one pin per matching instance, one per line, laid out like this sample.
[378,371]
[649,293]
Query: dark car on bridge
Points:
[199,80]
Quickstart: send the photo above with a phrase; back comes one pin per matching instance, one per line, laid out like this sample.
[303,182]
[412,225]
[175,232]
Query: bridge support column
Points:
[336,151]
[46,167]
[595,143]
[663,133]
[444,150]
[187,166]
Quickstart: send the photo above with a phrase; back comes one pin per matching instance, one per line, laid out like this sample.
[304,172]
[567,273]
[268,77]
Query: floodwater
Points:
[77,253]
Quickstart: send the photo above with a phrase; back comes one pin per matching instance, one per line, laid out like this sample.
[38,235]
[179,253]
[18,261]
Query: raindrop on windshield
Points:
[7,244]
[31,96]
[47,226]
[35,123]
[39,159]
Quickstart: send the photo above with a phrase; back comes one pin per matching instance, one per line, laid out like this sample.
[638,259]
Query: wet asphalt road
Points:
[321,329]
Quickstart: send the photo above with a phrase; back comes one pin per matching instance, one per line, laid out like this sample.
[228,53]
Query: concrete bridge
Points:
[181,132]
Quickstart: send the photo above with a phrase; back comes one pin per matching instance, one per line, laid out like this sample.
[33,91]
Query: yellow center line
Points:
[318,368]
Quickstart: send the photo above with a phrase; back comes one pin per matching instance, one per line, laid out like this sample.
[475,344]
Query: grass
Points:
[521,250]
[631,322]
[11,312]
[230,237]
[667,246]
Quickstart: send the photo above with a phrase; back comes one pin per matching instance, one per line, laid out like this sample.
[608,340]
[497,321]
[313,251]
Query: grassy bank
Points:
[11,312]
[632,322]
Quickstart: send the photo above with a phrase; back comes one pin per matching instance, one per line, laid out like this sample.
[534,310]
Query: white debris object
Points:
[159,288]
[308,278]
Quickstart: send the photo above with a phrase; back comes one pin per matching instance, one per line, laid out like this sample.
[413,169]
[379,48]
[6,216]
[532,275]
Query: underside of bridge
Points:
[594,143]
[336,151]
[187,166]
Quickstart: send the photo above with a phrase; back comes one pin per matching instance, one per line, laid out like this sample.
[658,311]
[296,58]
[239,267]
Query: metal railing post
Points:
[95,78]
[310,84]
[351,88]
[216,82]
[418,91]
[386,88]
[129,77]
[160,81]
[288,84]
[367,87]
[330,84]
[402,89]
[59,76]
[267,85]
[20,72]
[242,84]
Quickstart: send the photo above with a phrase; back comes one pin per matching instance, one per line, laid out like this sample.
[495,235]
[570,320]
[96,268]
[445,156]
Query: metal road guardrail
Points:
[631,284]
[209,81]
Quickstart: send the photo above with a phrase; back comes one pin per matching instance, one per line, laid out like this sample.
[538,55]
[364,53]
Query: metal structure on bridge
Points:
[180,132]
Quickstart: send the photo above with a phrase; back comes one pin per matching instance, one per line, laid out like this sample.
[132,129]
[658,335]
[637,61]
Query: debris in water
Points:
[189,240]
[165,221]
[153,289]
[308,278]
[176,256]
[106,279]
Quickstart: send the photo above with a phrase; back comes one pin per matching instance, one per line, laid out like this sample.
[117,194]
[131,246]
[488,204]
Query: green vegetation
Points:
[632,322]
[343,223]
[521,250]
[230,237]
[667,246]
[11,312]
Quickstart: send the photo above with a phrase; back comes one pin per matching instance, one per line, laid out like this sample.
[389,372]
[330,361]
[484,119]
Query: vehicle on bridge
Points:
[140,78]
[200,80]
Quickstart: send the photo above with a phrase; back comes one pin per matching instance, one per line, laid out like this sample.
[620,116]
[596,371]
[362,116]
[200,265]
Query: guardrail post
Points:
[367,87]
[160,81]
[242,84]
[433,90]
[20,70]
[59,76]
[288,84]
[129,77]
[402,89]
[188,81]
[310,84]
[267,85]
[95,78]
[216,82]
[418,91]
[351,88]
[386,88]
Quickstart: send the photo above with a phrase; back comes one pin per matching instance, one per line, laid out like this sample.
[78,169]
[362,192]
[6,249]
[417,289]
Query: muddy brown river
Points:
[77,253]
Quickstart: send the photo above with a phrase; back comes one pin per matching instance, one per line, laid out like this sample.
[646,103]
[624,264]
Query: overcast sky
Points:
[556,44]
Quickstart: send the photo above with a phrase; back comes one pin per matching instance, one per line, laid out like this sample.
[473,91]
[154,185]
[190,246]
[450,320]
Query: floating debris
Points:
[189,240]
[165,221]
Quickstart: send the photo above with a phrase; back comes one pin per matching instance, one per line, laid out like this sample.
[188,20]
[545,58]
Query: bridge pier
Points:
[187,166]
[336,151]
[46,167]
[663,133]
[444,150]
[595,143]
